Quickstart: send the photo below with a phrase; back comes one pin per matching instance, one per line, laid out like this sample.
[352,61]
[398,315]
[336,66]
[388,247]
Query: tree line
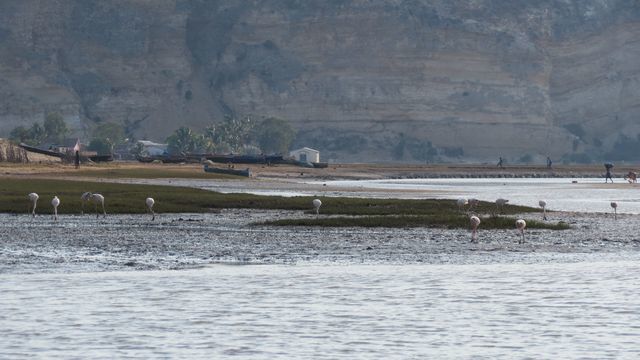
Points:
[232,135]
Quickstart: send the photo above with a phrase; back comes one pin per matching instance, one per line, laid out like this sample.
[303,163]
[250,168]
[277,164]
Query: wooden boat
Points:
[164,159]
[243,159]
[101,158]
[227,171]
[41,151]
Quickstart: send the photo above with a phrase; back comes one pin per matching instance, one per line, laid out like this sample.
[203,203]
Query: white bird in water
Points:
[543,205]
[84,198]
[614,205]
[316,204]
[500,203]
[520,225]
[149,202]
[33,201]
[98,199]
[475,222]
[55,202]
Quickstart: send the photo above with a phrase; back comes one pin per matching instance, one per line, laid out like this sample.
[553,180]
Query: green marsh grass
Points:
[408,221]
[129,199]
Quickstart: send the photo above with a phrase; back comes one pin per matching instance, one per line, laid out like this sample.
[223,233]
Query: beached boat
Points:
[228,171]
[243,159]
[165,159]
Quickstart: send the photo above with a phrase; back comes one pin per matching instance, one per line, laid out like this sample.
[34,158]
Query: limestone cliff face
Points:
[364,80]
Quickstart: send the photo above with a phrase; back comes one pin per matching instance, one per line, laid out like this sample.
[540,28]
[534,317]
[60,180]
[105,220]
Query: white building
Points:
[152,149]
[306,155]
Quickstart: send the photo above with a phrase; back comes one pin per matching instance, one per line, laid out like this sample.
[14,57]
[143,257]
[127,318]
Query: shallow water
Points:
[561,310]
[352,293]
[561,194]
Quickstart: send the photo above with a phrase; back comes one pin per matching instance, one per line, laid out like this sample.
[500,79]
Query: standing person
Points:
[549,162]
[76,148]
[607,176]
[500,162]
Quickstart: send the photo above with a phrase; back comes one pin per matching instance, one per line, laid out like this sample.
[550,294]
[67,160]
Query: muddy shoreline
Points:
[180,241]
[332,172]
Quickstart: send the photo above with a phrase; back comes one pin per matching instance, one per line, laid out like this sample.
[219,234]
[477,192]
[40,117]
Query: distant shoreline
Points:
[356,171]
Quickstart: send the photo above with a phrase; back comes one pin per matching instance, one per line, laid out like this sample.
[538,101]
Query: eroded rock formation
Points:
[364,80]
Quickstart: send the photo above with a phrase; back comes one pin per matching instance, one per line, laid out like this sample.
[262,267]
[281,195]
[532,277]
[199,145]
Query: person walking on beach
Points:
[549,162]
[500,162]
[607,176]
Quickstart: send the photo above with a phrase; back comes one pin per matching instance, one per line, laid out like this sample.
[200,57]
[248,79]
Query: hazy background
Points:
[378,80]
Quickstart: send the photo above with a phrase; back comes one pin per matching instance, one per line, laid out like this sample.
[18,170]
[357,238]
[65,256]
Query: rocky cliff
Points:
[361,80]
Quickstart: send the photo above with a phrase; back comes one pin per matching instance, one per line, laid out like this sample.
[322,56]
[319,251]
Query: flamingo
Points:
[149,202]
[461,202]
[55,202]
[316,204]
[33,200]
[473,203]
[500,203]
[520,225]
[614,205]
[543,205]
[98,199]
[84,198]
[475,222]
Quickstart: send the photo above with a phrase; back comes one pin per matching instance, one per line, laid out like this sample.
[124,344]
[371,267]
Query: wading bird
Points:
[55,202]
[461,202]
[614,205]
[33,201]
[500,203]
[98,199]
[520,225]
[543,205]
[475,222]
[316,204]
[149,202]
[84,198]
[473,203]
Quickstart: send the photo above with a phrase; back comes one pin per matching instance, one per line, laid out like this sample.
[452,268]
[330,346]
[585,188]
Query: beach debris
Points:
[33,201]
[520,225]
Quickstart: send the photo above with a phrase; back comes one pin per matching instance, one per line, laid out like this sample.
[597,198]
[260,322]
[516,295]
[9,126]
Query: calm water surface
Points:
[586,195]
[554,310]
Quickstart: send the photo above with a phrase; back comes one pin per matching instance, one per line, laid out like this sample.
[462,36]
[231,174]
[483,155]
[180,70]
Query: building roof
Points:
[306,149]
[151,143]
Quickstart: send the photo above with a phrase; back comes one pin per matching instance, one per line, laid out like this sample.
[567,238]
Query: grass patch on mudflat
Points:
[129,199]
[407,221]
